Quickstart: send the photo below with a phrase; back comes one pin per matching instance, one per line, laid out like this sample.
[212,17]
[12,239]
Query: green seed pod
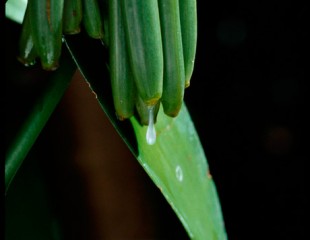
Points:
[143,111]
[92,19]
[123,86]
[27,53]
[46,22]
[174,75]
[72,16]
[144,41]
[188,16]
[104,11]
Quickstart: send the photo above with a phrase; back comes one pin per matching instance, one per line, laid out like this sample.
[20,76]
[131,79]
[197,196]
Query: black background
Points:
[248,100]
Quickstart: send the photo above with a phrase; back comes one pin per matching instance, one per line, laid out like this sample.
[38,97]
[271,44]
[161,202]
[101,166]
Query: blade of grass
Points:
[36,120]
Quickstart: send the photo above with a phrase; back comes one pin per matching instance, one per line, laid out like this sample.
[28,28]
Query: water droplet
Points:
[151,133]
[179,173]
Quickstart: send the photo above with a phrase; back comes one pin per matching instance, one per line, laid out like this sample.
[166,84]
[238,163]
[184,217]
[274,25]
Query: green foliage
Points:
[175,162]
[178,166]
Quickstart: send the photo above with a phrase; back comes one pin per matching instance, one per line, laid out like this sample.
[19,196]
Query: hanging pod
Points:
[92,19]
[143,111]
[46,22]
[27,54]
[143,37]
[188,17]
[174,75]
[122,83]
[72,16]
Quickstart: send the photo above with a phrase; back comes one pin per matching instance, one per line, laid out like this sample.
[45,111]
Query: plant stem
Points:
[36,120]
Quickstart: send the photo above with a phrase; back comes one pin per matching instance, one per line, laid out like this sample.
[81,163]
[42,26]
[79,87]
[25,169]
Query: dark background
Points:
[248,101]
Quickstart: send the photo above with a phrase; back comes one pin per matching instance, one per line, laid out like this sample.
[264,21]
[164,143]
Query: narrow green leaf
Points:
[34,123]
[178,166]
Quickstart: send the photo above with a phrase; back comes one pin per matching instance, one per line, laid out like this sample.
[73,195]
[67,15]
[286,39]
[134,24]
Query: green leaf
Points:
[47,101]
[176,162]
[15,10]
[178,166]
